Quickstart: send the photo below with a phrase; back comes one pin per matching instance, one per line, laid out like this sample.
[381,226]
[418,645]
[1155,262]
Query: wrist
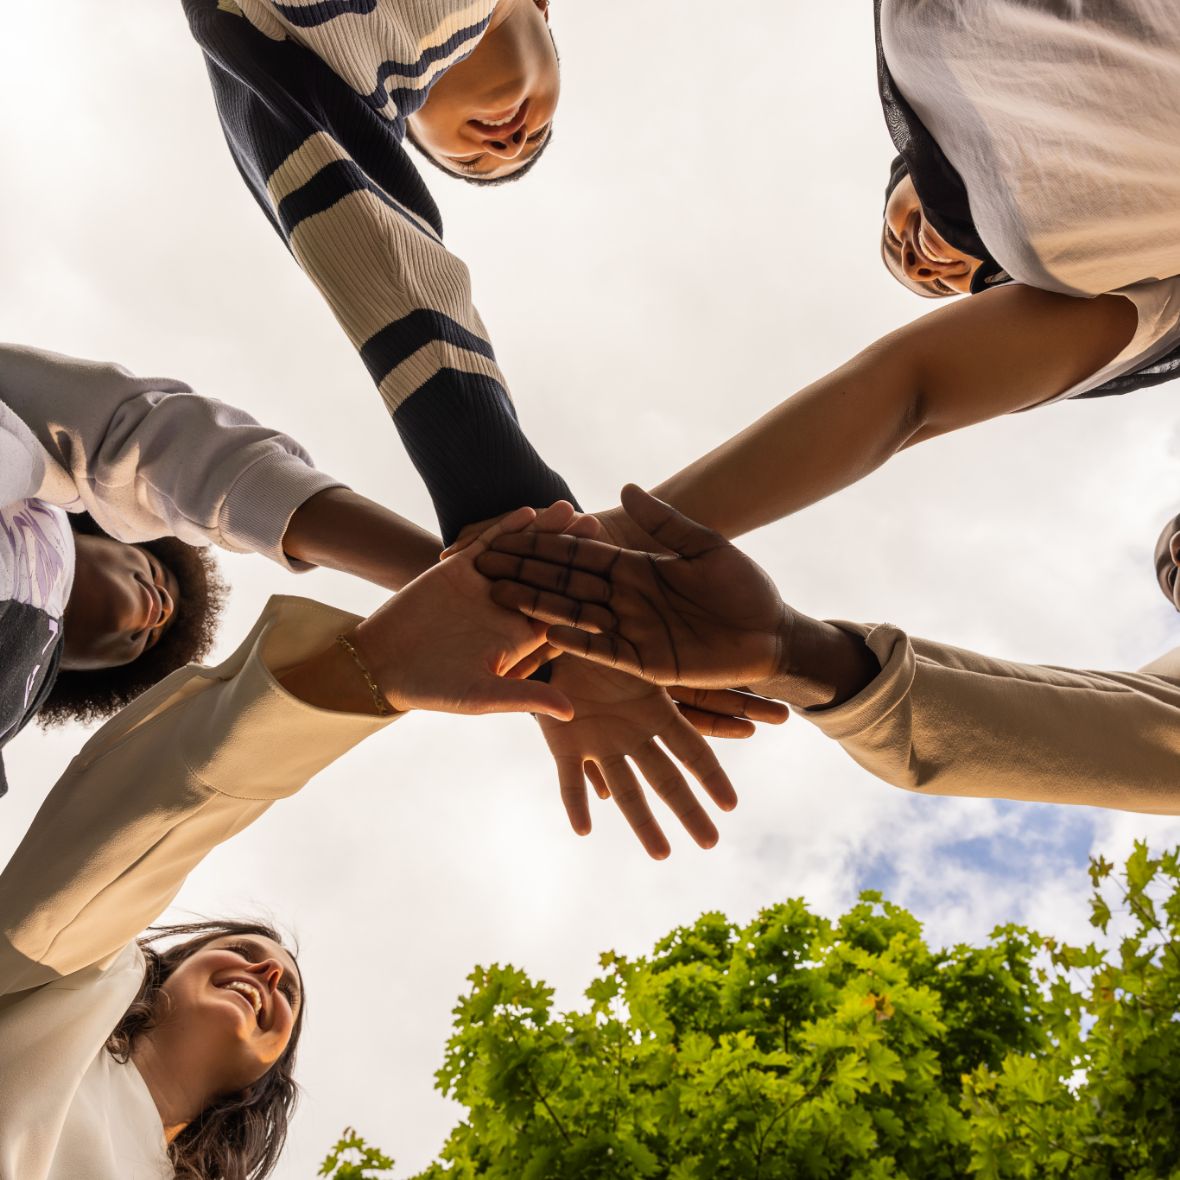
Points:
[378,661]
[818,665]
[334,679]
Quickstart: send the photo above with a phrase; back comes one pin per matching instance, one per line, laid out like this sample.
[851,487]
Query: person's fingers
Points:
[552,608]
[573,793]
[596,780]
[587,526]
[498,694]
[530,663]
[715,725]
[689,748]
[593,557]
[666,780]
[516,520]
[544,576]
[628,794]
[731,702]
[607,649]
[556,518]
[664,524]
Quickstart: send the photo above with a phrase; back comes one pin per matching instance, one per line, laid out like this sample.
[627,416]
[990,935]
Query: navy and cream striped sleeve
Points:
[327,164]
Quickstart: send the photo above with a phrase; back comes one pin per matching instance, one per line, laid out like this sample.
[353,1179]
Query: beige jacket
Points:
[944,721]
[188,765]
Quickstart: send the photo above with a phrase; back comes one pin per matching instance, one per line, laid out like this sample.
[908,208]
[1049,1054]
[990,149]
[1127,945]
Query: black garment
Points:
[31,643]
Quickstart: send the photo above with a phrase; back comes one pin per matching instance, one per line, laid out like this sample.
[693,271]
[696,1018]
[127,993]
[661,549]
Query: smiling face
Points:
[240,997]
[489,115]
[1167,561]
[914,252]
[122,600]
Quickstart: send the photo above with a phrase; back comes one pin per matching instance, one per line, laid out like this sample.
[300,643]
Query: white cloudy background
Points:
[700,242]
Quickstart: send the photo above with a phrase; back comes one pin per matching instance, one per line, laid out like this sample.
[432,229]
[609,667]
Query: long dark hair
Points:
[239,1137]
[87,697]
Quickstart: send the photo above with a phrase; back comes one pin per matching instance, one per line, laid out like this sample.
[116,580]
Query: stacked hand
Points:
[697,612]
[442,643]
[619,721]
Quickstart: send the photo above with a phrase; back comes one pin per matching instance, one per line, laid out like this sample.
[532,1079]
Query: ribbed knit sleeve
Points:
[318,139]
[945,721]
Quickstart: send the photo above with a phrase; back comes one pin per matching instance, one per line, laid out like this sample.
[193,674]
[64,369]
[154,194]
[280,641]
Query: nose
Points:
[271,971]
[917,266]
[508,147]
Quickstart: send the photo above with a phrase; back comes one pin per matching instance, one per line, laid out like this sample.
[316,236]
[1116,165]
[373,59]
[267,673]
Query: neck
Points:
[180,1095]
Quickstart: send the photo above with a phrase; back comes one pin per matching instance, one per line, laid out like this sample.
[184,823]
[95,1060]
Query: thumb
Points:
[497,694]
[665,525]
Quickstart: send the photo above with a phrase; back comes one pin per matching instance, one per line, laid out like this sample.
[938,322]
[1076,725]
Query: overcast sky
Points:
[700,242]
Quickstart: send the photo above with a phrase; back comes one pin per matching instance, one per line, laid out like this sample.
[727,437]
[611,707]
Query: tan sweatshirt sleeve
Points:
[185,767]
[945,721]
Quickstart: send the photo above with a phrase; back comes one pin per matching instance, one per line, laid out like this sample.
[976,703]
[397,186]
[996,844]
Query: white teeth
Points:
[245,989]
[501,122]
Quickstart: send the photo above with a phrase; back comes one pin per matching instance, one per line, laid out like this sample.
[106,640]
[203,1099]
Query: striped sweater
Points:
[313,98]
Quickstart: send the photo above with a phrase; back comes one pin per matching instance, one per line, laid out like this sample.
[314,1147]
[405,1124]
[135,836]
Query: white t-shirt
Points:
[1063,120]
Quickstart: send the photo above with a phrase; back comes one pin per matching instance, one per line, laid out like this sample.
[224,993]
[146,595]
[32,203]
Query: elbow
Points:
[912,423]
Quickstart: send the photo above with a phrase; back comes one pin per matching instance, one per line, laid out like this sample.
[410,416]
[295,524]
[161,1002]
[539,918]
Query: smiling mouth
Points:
[503,124]
[249,993]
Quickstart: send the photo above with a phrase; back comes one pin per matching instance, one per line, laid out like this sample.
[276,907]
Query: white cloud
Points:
[700,242]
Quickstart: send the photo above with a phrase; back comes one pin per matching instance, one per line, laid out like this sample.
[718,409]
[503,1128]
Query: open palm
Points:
[704,615]
[619,720]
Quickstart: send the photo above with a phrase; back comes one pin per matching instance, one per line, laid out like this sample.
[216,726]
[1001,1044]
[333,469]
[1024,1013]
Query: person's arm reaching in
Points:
[920,715]
[336,182]
[206,752]
[333,177]
[1007,349]
[149,457]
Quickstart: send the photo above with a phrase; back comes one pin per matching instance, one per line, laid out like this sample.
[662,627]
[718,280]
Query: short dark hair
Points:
[241,1136]
[87,697]
[488,181]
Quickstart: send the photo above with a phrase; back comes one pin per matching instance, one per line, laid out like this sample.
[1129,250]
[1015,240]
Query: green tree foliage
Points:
[353,1159]
[796,1047]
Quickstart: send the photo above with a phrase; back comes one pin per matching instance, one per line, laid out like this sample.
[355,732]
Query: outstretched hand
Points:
[619,718]
[444,644]
[703,616]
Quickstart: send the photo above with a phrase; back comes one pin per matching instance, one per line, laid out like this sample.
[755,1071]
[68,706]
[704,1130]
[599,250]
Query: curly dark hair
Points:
[241,1136]
[93,696]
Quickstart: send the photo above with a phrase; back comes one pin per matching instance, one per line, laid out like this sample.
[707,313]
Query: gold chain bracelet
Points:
[384,709]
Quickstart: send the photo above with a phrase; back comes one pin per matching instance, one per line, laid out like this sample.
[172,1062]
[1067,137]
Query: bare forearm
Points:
[824,438]
[1004,350]
[341,530]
